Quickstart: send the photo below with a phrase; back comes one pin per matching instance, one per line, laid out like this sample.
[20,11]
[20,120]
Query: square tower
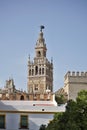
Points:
[40,71]
[74,82]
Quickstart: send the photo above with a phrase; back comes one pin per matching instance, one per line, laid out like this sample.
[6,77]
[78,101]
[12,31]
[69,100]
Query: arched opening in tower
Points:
[36,70]
[22,97]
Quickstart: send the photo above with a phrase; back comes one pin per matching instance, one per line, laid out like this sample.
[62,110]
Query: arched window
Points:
[36,70]
[30,72]
[22,97]
[39,53]
[42,70]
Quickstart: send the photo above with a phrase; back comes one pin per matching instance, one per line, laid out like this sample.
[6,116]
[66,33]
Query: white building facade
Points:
[27,115]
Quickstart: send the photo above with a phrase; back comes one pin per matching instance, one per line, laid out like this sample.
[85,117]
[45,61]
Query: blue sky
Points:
[65,35]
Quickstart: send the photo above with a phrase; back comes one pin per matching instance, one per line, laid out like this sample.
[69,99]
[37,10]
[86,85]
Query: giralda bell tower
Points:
[40,72]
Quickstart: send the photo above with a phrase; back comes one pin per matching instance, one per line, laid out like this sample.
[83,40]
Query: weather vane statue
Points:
[41,27]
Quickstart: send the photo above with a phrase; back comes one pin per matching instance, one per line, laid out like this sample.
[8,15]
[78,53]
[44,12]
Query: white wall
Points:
[34,120]
[12,121]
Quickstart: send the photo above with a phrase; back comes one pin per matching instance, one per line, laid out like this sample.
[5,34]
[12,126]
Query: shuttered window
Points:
[2,121]
[24,121]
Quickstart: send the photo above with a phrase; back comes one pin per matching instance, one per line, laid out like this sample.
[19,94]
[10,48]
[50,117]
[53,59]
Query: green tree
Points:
[53,124]
[60,99]
[82,96]
[75,116]
[82,109]
[42,127]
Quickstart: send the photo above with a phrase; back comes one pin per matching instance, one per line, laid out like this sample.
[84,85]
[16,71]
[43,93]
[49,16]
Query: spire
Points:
[29,58]
[40,47]
[51,59]
[41,40]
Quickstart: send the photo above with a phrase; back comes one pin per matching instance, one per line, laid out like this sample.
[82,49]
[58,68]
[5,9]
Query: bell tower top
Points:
[40,47]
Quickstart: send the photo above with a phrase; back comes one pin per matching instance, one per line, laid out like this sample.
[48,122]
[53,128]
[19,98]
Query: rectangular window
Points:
[24,121]
[2,121]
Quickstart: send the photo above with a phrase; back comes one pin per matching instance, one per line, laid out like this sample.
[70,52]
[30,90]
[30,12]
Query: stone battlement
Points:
[76,74]
[74,82]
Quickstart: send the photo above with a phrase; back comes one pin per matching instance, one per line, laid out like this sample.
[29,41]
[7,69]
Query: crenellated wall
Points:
[75,82]
[73,73]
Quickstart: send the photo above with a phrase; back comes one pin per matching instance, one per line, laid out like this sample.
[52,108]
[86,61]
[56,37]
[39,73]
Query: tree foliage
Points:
[60,99]
[42,127]
[75,116]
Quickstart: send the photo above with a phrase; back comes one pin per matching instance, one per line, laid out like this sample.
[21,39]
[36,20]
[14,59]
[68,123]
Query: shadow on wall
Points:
[33,125]
[36,120]
[4,107]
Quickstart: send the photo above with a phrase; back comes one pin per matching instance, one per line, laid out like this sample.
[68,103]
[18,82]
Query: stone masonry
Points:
[74,82]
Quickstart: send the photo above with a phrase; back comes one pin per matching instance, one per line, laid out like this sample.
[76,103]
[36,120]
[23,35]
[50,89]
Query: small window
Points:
[2,121]
[30,72]
[42,70]
[36,70]
[39,53]
[24,121]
